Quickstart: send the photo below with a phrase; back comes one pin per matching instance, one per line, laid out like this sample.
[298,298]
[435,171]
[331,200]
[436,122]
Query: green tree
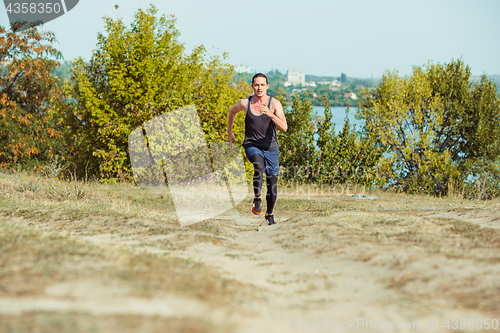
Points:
[470,130]
[348,157]
[355,156]
[471,127]
[135,74]
[405,116]
[437,126]
[326,141]
[28,89]
[297,151]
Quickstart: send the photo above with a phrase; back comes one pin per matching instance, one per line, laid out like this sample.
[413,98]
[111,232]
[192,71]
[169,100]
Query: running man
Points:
[263,115]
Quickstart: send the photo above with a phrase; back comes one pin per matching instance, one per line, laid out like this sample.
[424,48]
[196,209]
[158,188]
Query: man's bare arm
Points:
[240,106]
[278,117]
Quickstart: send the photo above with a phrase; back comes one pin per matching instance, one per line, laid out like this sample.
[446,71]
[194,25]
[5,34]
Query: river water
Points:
[338,115]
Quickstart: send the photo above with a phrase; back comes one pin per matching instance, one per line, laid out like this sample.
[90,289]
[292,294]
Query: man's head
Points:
[259,75]
[259,84]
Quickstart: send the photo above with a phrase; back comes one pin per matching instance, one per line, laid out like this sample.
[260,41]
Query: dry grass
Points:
[42,223]
[49,198]
[31,260]
[54,231]
[427,256]
[53,322]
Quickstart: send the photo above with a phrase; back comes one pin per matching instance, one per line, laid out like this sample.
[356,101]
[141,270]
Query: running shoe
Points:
[257,206]
[270,219]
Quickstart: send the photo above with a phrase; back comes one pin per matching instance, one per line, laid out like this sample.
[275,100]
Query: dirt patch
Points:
[330,259]
[484,218]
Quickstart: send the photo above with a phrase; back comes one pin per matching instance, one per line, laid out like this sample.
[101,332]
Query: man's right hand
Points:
[231,138]
[240,106]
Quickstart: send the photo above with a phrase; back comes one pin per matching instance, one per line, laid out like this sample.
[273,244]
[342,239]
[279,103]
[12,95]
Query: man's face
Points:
[260,86]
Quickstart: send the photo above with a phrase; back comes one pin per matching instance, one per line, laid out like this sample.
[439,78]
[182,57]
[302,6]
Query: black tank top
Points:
[260,130]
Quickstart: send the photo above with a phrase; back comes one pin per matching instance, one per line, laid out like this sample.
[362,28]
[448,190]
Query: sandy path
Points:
[303,286]
[293,287]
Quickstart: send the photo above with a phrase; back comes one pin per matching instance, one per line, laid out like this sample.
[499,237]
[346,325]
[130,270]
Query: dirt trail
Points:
[301,286]
[292,286]
[302,274]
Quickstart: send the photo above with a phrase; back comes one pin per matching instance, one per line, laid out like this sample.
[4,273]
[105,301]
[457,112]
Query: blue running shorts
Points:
[271,158]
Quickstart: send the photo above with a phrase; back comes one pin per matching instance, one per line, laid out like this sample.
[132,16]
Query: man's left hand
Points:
[265,110]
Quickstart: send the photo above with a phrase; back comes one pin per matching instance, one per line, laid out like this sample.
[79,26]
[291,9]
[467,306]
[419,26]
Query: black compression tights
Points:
[272,182]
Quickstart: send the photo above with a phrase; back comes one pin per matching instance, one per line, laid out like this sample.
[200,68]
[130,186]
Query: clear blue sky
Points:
[322,37]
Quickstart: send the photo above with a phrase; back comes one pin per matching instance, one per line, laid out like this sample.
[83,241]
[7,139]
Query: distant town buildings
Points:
[243,68]
[296,77]
[351,95]
[333,85]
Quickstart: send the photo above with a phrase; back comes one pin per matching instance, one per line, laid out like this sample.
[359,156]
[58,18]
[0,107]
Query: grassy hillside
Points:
[86,257]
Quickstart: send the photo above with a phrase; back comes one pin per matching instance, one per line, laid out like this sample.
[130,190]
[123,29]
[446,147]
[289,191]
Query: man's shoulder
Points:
[275,102]
[243,104]
[244,101]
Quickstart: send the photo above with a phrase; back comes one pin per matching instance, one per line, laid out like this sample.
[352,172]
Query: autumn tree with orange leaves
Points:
[30,135]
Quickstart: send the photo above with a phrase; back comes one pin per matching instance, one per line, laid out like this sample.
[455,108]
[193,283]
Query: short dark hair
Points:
[259,75]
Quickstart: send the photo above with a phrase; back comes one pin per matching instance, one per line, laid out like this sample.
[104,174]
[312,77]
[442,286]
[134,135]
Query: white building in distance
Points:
[243,68]
[296,77]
